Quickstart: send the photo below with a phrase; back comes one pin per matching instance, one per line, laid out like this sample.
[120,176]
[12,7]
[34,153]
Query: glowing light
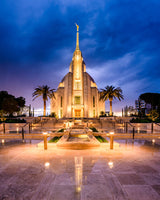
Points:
[110,164]
[77,57]
[118,114]
[44,133]
[83,136]
[47,164]
[78,189]
[111,133]
[17,129]
[78,173]
[2,141]
[153,141]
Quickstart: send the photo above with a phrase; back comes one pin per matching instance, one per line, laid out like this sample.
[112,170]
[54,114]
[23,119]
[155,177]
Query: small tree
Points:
[9,104]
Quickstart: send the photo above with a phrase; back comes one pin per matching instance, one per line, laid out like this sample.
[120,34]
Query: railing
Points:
[133,129]
[29,124]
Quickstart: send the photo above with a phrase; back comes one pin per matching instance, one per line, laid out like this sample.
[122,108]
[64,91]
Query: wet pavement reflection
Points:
[130,172]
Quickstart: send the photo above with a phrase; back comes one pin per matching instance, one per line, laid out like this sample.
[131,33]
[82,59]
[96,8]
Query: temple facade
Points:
[77,95]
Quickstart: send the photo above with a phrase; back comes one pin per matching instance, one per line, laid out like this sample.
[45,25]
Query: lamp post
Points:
[45,140]
[111,139]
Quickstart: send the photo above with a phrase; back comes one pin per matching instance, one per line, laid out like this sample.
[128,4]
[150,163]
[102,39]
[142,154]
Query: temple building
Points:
[77,95]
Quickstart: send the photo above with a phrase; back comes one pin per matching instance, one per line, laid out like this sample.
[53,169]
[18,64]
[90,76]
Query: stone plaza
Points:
[130,173]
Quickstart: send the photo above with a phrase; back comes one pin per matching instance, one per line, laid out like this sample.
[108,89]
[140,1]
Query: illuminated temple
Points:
[77,95]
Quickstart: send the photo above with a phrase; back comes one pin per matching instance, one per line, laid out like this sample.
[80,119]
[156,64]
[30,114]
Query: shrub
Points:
[15,120]
[54,139]
[140,120]
[101,139]
[93,129]
[102,114]
[61,130]
[53,114]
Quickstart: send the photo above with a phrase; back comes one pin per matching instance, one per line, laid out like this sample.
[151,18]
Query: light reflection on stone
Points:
[78,173]
[47,164]
[153,141]
[110,164]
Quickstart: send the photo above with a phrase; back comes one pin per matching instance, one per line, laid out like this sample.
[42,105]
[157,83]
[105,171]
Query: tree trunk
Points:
[44,111]
[110,113]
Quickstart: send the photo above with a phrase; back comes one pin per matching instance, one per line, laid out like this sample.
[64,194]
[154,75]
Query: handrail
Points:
[157,124]
[130,124]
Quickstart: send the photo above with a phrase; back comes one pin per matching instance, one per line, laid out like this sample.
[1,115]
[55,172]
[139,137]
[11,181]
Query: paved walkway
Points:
[30,173]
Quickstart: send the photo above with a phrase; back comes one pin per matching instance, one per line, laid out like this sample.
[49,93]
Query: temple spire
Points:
[77,40]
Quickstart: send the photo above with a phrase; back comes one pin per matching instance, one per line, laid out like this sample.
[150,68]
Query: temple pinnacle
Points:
[77,41]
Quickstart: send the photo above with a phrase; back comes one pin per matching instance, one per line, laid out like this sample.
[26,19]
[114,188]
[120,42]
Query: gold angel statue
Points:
[77,27]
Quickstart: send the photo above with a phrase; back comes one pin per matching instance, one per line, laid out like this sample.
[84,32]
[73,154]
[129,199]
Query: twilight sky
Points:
[119,40]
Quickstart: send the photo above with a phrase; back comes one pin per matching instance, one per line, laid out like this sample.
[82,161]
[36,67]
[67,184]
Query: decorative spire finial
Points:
[77,41]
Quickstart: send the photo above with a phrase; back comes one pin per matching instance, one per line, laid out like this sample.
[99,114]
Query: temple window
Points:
[77,100]
[77,85]
[61,101]
[93,113]
[61,113]
[93,101]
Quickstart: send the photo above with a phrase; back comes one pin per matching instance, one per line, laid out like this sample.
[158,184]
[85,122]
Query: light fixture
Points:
[47,164]
[153,141]
[110,164]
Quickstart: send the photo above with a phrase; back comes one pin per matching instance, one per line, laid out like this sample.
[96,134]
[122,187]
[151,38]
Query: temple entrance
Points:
[77,113]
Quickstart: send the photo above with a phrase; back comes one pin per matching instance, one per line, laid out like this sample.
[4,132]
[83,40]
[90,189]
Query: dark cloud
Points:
[119,39]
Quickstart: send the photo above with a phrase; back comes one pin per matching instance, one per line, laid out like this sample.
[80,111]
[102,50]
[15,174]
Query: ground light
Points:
[110,164]
[111,139]
[47,164]
[153,142]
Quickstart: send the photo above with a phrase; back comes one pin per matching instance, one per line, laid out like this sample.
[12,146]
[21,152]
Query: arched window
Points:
[93,101]
[61,101]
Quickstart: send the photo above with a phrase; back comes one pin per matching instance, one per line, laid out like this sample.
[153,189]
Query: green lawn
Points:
[101,139]
[54,139]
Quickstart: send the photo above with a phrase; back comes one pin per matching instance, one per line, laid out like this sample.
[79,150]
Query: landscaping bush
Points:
[53,114]
[15,120]
[61,130]
[101,139]
[143,120]
[55,139]
[93,129]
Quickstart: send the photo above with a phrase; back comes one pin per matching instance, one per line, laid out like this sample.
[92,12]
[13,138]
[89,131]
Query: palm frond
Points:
[111,92]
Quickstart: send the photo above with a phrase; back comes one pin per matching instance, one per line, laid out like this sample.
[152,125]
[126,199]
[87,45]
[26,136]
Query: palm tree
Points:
[45,92]
[110,92]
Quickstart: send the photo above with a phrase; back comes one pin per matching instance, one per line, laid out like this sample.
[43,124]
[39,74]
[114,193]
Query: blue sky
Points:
[119,40]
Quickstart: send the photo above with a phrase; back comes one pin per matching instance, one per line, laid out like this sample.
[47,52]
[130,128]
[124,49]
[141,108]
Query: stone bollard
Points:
[4,128]
[22,134]
[133,133]
[111,139]
[152,127]
[45,135]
